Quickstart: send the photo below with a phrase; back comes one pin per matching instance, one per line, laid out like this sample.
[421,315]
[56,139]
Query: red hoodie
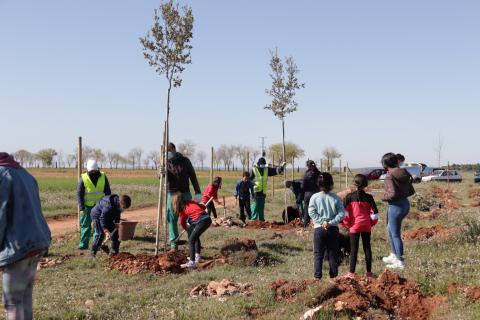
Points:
[210,192]
[192,211]
[359,205]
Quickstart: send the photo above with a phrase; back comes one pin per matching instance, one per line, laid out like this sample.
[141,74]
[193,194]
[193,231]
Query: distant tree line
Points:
[465,167]
[226,157]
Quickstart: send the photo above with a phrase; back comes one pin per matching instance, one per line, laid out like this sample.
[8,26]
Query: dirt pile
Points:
[132,264]
[52,262]
[446,198]
[387,297]
[221,289]
[473,293]
[240,251]
[257,224]
[287,290]
[226,222]
[419,215]
[474,194]
[430,233]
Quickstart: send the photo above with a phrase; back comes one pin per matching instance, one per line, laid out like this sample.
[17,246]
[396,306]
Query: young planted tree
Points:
[166,47]
[284,87]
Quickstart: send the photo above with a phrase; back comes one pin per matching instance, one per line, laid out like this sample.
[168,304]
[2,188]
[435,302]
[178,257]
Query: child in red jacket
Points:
[362,216]
[194,217]
[212,192]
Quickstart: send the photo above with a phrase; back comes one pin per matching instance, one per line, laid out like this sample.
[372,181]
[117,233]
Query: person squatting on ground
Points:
[398,187]
[326,211]
[243,192]
[92,186]
[309,187]
[211,192]
[180,172]
[105,215]
[362,215]
[24,237]
[259,177]
[193,217]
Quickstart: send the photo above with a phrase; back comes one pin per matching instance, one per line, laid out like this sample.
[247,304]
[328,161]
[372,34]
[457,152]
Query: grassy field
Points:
[61,291]
[58,187]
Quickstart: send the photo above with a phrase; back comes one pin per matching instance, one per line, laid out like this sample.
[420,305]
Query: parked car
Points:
[374,173]
[415,171]
[476,177]
[444,175]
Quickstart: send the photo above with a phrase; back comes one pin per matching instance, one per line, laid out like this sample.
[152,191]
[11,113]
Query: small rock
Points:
[311,314]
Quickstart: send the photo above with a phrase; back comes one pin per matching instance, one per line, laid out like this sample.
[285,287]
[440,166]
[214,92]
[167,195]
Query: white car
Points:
[444,175]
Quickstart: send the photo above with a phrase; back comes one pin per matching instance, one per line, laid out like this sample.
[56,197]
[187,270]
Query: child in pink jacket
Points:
[362,216]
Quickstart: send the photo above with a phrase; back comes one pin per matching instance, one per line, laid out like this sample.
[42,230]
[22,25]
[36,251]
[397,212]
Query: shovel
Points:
[104,245]
[224,208]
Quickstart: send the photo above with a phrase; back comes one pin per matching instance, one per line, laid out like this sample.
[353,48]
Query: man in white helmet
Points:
[92,187]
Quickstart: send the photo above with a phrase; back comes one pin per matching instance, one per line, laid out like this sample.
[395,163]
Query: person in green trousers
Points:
[92,187]
[180,172]
[259,177]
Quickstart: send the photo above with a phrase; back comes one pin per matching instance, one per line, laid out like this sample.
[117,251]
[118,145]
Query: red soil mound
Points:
[446,197]
[389,295]
[426,233]
[473,293]
[286,290]
[257,224]
[132,264]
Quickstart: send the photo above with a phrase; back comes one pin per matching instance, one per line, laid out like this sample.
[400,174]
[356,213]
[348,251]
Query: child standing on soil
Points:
[194,217]
[362,215]
[105,215]
[243,191]
[326,211]
[212,193]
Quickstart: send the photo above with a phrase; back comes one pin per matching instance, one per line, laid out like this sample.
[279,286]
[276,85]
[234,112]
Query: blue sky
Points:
[380,76]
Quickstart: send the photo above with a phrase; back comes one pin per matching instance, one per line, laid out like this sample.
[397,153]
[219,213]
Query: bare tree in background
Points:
[330,154]
[226,154]
[187,148]
[98,155]
[71,159]
[23,156]
[59,158]
[154,156]
[439,150]
[135,156]
[242,154]
[254,153]
[201,156]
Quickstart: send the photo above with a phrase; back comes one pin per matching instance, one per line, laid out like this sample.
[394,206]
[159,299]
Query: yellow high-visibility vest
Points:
[260,180]
[93,193]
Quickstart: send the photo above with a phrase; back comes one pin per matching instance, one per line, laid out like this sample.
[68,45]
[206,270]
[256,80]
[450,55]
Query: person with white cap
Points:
[92,187]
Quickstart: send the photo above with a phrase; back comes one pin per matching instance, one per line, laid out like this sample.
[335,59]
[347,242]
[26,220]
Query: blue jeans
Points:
[397,211]
[18,281]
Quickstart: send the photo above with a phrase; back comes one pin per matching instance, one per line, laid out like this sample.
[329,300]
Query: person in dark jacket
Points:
[309,188]
[259,177]
[243,191]
[92,186]
[105,215]
[398,187]
[180,173]
[24,236]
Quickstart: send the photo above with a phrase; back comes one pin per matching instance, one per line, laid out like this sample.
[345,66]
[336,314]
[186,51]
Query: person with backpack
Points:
[309,187]
[362,216]
[326,211]
[398,187]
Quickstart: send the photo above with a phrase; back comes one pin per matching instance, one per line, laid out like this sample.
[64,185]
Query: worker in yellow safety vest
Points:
[92,187]
[259,177]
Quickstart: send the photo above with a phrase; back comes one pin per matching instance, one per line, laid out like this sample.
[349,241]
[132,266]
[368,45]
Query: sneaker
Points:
[198,257]
[371,275]
[390,259]
[189,265]
[397,265]
[350,275]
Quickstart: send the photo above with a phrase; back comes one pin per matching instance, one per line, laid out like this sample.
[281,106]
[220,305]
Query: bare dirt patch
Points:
[386,297]
[132,264]
[430,233]
[257,224]
[471,292]
[447,198]
[221,289]
[288,290]
[474,194]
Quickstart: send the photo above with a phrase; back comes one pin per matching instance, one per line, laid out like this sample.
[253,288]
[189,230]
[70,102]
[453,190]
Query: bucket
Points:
[126,230]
